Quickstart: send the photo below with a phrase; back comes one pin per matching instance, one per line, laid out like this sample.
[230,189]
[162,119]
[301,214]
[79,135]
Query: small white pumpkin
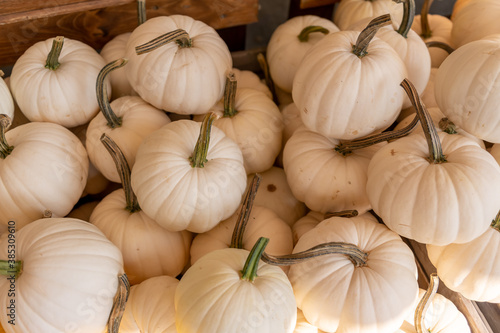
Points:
[349,12]
[6,101]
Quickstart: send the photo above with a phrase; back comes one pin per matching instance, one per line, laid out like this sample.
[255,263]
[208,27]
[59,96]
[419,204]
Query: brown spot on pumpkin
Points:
[393,152]
[354,132]
[305,110]
[271,187]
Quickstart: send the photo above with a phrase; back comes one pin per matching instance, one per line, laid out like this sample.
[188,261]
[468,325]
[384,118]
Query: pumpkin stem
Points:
[180,36]
[244,214]
[52,61]
[430,132]
[353,252]
[495,224]
[249,271]
[424,19]
[102,95]
[200,152]
[230,95]
[141,11]
[424,303]
[343,213]
[5,149]
[264,66]
[123,170]
[441,45]
[11,268]
[408,16]
[366,36]
[119,302]
[447,126]
[47,214]
[304,34]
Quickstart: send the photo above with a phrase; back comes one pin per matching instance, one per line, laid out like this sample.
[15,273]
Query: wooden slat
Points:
[97,26]
[316,3]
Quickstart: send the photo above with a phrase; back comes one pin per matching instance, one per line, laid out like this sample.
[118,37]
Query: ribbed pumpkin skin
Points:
[345,97]
[65,96]
[178,196]
[336,296]
[439,204]
[351,11]
[473,268]
[150,306]
[69,279]
[180,80]
[47,169]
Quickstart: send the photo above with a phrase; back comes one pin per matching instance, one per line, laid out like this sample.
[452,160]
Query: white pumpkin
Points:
[305,224]
[352,11]
[248,79]
[6,101]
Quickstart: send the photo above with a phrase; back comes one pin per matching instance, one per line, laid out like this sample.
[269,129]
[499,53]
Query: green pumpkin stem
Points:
[343,213]
[408,16]
[264,66]
[249,271]
[5,148]
[113,121]
[424,19]
[366,36]
[353,252]
[230,95]
[200,152]
[119,302]
[124,171]
[425,302]
[11,268]
[431,135]
[441,45]
[141,12]
[179,36]
[52,61]
[244,214]
[495,224]
[304,34]
[447,126]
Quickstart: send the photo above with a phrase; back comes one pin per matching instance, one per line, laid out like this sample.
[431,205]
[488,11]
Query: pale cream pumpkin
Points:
[186,77]
[336,295]
[180,195]
[305,224]
[248,79]
[70,269]
[19,118]
[467,88]
[251,296]
[83,211]
[59,88]
[352,11]
[303,326]
[347,92]
[289,43]
[150,306]
[43,166]
[6,101]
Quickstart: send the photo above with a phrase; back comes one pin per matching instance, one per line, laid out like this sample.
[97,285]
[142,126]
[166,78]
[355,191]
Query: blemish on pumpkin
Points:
[349,182]
[305,110]
[271,187]
[354,132]
[393,152]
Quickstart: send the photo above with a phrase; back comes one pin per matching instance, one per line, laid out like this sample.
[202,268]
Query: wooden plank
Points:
[315,3]
[97,26]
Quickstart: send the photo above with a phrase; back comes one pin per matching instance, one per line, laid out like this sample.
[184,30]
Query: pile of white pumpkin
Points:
[184,133]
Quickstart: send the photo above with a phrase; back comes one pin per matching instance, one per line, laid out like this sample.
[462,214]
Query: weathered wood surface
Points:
[316,3]
[95,22]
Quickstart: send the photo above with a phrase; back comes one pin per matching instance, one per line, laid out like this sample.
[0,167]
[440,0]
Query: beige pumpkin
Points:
[59,88]
[305,224]
[303,326]
[6,101]
[186,79]
[248,79]
[352,11]
[150,306]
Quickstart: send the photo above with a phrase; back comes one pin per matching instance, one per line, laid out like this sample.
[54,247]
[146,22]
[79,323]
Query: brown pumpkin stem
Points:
[264,66]
[366,36]
[200,152]
[343,213]
[424,304]
[447,126]
[230,95]
[5,148]
[440,45]
[113,121]
[430,132]
[141,12]
[244,214]
[52,61]
[180,36]
[11,268]
[249,271]
[47,214]
[123,170]
[424,19]
[119,302]
[408,16]
[353,252]
[304,34]
[495,224]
